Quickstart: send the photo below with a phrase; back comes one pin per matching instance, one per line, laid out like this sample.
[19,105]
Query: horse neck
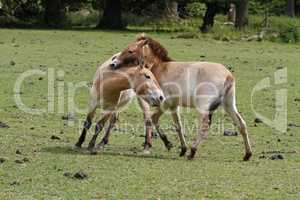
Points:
[125,80]
[153,60]
[157,67]
[118,82]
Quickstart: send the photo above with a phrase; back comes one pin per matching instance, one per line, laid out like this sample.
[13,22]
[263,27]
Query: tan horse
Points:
[201,85]
[106,92]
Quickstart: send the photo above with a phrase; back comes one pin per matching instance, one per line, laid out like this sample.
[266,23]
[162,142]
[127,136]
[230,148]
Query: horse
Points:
[200,85]
[112,89]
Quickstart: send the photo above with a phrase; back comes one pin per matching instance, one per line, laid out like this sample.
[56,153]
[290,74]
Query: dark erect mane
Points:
[156,47]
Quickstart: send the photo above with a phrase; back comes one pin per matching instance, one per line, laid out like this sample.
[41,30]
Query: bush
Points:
[290,35]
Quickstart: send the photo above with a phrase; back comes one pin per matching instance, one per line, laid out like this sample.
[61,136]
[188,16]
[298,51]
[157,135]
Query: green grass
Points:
[120,171]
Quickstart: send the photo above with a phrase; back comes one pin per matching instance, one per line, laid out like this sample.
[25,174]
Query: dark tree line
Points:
[54,10]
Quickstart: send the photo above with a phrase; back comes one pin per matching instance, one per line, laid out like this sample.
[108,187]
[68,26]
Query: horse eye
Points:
[147,76]
[130,51]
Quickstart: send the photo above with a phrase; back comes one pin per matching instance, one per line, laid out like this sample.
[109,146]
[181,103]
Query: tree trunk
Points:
[291,8]
[231,13]
[54,14]
[182,12]
[112,16]
[208,19]
[171,9]
[241,19]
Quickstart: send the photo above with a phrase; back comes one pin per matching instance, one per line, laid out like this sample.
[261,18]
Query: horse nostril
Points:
[112,65]
[161,98]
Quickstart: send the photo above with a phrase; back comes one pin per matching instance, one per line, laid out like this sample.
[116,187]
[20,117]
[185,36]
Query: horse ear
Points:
[143,42]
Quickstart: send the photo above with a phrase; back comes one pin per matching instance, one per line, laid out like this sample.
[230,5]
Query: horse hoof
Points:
[247,156]
[146,152]
[183,151]
[192,154]
[169,146]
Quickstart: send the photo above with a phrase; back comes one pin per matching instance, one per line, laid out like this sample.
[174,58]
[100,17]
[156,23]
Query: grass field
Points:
[121,171]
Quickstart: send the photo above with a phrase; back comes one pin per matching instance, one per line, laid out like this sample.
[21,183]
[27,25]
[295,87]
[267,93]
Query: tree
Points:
[231,15]
[208,19]
[291,8]
[54,14]
[171,8]
[241,19]
[112,16]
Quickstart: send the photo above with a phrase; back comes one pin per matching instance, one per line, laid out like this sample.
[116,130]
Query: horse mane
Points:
[160,51]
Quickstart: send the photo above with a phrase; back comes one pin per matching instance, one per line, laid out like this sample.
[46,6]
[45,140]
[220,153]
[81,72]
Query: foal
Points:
[106,90]
[201,85]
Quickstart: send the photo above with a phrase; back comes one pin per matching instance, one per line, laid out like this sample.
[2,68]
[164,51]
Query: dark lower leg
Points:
[238,120]
[155,118]
[105,139]
[163,137]
[148,139]
[243,131]
[179,130]
[202,135]
[98,128]
[87,124]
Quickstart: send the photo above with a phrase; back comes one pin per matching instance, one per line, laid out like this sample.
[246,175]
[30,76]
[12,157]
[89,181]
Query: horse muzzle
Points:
[156,99]
[115,64]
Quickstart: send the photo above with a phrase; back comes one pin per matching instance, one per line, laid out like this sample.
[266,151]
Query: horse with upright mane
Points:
[110,91]
[200,85]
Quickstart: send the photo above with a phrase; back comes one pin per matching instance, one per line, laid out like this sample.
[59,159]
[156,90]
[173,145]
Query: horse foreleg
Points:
[179,129]
[98,128]
[155,118]
[202,135]
[148,125]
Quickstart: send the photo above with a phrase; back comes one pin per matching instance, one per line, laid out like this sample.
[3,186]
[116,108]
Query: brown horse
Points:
[201,85]
[109,85]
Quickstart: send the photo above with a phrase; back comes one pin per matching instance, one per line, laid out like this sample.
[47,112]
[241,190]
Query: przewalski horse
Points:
[110,91]
[201,85]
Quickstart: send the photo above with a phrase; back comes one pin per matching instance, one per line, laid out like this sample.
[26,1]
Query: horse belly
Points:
[179,97]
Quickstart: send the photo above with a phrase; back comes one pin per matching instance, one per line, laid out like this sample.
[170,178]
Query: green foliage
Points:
[257,8]
[290,34]
[23,9]
[196,9]
[274,7]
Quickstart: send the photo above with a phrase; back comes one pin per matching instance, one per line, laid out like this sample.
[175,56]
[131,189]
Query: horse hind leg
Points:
[105,138]
[98,128]
[230,108]
[202,134]
[207,110]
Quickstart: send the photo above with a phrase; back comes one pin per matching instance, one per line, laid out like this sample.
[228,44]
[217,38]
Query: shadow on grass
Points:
[111,151]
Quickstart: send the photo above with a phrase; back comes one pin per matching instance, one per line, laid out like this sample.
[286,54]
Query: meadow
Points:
[36,150]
